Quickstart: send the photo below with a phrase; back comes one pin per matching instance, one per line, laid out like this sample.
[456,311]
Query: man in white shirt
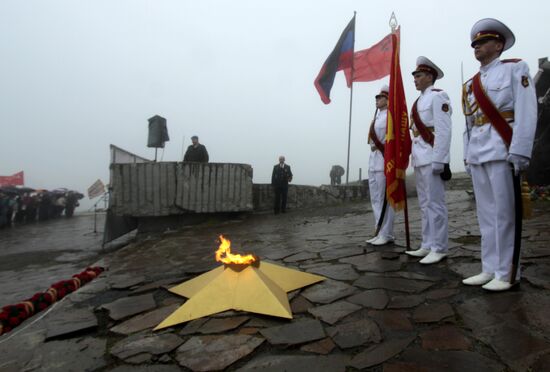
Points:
[431,125]
[501,111]
[377,179]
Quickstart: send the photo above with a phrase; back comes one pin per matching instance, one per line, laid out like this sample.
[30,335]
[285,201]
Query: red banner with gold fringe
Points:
[398,139]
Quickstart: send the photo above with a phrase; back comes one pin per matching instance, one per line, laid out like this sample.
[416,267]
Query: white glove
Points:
[520,162]
[437,168]
[468,169]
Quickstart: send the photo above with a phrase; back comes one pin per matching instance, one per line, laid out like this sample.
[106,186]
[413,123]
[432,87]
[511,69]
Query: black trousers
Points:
[280,198]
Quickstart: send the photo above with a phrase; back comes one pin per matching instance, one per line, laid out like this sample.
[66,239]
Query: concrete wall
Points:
[170,188]
[300,196]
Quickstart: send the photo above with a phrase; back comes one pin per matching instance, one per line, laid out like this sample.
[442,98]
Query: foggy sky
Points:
[76,76]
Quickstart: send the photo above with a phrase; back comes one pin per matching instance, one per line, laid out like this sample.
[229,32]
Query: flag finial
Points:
[393,22]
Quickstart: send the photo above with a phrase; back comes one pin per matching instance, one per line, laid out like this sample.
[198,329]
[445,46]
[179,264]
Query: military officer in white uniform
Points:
[431,125]
[377,179]
[493,145]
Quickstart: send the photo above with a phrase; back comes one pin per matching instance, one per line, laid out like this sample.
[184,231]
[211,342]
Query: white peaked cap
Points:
[423,64]
[490,28]
[384,91]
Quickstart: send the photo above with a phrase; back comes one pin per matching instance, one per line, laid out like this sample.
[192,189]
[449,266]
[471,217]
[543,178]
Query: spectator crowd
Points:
[21,205]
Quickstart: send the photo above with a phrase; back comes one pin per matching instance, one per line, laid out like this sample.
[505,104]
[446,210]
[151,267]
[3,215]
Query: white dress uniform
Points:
[377,179]
[434,109]
[509,86]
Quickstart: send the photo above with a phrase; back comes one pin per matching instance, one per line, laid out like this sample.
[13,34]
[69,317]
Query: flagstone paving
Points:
[377,310]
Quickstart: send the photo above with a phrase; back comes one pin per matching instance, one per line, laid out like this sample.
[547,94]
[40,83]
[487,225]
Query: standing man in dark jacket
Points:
[280,178]
[196,152]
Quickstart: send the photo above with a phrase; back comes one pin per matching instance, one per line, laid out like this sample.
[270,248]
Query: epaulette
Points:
[511,60]
[437,90]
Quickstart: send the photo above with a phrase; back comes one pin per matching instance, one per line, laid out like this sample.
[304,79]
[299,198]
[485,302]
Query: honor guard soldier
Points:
[501,111]
[377,179]
[431,126]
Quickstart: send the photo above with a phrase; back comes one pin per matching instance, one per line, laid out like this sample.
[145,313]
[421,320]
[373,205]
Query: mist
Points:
[76,76]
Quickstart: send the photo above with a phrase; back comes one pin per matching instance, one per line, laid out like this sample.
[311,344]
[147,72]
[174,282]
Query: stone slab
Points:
[445,338]
[125,281]
[149,343]
[296,332]
[207,353]
[431,313]
[193,326]
[144,321]
[391,283]
[374,299]
[337,272]
[300,257]
[69,323]
[438,294]
[147,368]
[300,305]
[216,325]
[538,275]
[324,346]
[405,302]
[449,361]
[377,354]
[328,291]
[392,320]
[128,306]
[332,313]
[355,333]
[295,363]
[336,253]
[85,354]
[516,346]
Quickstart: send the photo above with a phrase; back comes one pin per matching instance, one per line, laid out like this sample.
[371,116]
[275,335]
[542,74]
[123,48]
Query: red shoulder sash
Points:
[372,135]
[487,106]
[426,135]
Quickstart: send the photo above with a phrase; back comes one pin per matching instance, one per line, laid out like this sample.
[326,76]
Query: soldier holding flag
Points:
[431,125]
[501,110]
[377,179]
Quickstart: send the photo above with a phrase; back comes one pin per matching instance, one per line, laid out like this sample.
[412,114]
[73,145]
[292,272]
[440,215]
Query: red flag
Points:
[373,63]
[398,139]
[17,179]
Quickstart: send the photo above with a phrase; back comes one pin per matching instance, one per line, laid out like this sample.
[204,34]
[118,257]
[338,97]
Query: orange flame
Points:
[223,254]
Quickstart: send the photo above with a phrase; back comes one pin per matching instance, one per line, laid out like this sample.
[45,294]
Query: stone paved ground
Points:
[39,254]
[378,309]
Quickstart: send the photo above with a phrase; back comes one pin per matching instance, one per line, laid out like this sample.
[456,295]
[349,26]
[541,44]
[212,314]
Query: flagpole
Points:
[350,103]
[406,213]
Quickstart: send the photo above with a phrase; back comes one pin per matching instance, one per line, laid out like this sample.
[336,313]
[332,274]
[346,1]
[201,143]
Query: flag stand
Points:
[350,106]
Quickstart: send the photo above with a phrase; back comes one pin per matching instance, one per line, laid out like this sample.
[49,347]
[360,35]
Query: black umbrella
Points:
[12,190]
[24,189]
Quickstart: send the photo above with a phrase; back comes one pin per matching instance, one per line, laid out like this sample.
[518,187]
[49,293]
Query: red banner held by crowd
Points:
[398,139]
[17,179]
[373,63]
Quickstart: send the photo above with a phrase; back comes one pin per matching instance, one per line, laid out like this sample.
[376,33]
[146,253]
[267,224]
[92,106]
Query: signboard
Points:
[17,179]
[97,189]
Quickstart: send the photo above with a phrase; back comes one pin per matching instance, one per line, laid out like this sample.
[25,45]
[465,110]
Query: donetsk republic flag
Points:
[341,58]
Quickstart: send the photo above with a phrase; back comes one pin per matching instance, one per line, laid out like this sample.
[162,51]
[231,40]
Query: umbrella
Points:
[60,190]
[24,189]
[9,190]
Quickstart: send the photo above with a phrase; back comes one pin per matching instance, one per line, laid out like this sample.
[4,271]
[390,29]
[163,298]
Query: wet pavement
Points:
[36,255]
[378,310]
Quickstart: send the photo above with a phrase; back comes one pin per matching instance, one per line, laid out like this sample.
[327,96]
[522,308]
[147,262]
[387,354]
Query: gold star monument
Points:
[242,283]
